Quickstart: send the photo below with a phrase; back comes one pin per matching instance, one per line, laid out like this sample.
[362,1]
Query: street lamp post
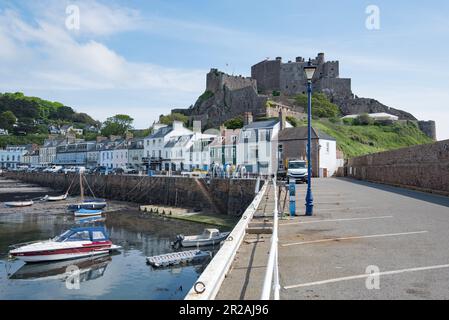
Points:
[309,69]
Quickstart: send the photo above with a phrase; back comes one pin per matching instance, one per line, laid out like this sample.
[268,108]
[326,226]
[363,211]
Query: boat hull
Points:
[59,257]
[87,206]
[65,254]
[19,204]
[204,242]
[88,213]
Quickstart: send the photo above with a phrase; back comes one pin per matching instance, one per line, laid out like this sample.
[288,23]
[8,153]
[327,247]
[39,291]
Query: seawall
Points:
[424,167]
[223,196]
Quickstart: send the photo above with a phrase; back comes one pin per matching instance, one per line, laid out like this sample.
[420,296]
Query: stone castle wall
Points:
[423,167]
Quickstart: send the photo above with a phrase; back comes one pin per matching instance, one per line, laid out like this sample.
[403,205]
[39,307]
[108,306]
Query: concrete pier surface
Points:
[365,241]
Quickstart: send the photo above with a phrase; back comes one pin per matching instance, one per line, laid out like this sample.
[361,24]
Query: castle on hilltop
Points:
[289,78]
[271,88]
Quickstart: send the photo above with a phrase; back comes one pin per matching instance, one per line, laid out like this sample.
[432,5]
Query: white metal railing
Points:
[210,281]
[273,262]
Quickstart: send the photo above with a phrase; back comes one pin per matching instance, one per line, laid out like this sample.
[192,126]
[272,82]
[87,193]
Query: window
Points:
[80,236]
[327,147]
[98,236]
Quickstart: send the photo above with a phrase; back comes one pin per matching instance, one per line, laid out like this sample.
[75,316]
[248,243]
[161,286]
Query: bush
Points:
[236,123]
[364,120]
[321,106]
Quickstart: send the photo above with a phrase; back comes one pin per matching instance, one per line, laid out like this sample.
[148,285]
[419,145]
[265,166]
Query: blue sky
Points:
[146,57]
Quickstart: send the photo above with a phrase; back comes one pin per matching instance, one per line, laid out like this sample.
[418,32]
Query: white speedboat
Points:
[72,244]
[209,237]
[19,204]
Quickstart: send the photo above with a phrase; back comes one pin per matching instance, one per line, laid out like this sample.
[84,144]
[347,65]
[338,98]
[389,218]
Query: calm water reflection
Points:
[122,276]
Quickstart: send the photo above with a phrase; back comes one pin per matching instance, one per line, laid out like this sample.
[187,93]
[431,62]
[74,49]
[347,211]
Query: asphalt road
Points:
[402,234]
[358,229]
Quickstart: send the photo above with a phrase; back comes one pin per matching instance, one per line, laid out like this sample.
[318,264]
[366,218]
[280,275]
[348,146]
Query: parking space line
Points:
[362,276]
[336,209]
[334,220]
[353,238]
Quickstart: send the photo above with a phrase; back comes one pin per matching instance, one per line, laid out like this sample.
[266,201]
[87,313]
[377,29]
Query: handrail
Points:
[273,262]
[210,281]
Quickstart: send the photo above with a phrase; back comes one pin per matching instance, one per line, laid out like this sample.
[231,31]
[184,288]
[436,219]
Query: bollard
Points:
[292,191]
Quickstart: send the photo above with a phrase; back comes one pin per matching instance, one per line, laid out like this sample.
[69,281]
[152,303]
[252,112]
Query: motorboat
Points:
[55,198]
[19,204]
[72,244]
[209,237]
[88,213]
[89,269]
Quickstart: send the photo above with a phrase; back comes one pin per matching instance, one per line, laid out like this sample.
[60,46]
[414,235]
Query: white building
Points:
[257,147]
[154,144]
[136,153]
[12,156]
[382,116]
[114,154]
[74,154]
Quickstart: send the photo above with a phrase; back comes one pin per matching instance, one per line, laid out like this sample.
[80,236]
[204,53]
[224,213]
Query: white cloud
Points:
[49,56]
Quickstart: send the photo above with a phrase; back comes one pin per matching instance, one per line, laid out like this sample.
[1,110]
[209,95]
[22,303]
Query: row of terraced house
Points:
[260,147]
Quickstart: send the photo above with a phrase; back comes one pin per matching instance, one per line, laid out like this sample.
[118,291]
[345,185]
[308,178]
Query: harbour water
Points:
[122,276]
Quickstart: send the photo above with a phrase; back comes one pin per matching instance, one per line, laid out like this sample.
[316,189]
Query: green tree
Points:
[117,125]
[7,120]
[168,119]
[321,106]
[364,120]
[236,123]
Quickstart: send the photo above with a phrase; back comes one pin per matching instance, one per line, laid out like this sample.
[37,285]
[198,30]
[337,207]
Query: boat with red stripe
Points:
[72,244]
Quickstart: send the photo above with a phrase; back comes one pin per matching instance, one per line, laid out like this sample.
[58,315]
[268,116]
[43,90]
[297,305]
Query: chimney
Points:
[177,125]
[282,118]
[248,118]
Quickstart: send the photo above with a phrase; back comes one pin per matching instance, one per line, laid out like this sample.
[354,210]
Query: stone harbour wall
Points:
[423,167]
[218,195]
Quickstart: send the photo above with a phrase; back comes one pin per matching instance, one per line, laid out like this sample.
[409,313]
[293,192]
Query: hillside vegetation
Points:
[357,140]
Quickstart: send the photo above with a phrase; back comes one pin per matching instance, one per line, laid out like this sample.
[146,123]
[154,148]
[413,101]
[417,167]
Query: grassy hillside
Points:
[356,140]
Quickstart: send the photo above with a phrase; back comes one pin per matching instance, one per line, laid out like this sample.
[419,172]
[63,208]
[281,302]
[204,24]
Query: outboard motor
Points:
[178,242]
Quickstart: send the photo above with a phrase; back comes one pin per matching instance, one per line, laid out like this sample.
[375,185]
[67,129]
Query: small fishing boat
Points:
[92,204]
[55,198]
[88,213]
[72,244]
[19,204]
[88,204]
[209,237]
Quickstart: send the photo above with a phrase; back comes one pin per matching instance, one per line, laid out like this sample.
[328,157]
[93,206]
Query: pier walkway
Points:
[358,229]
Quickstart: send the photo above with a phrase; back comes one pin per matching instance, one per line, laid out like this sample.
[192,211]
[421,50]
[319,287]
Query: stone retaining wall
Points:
[423,167]
[220,195]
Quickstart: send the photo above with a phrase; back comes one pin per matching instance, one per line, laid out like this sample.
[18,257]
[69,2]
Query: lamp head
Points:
[309,69]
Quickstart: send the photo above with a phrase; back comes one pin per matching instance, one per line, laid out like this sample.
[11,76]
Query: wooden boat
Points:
[209,237]
[88,213]
[55,198]
[19,204]
[72,244]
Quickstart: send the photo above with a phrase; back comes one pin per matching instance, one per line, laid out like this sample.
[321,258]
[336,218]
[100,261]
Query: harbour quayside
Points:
[72,244]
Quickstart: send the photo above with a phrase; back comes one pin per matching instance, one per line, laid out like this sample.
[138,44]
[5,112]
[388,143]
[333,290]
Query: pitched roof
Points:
[300,133]
[262,124]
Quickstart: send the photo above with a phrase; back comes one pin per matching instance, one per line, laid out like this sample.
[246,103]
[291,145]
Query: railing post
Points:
[272,266]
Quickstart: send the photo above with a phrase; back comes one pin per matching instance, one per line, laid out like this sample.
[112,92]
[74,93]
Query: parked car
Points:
[99,170]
